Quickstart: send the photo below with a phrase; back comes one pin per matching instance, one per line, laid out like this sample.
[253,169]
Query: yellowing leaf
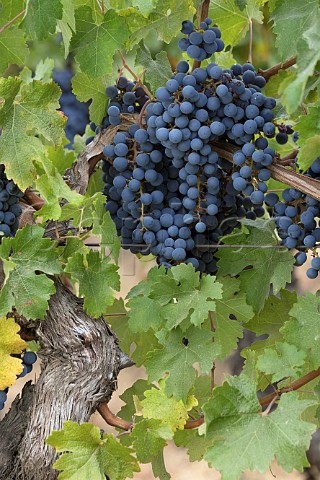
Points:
[10,342]
[171,411]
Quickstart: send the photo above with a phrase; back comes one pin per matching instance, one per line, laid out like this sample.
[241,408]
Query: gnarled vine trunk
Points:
[80,362]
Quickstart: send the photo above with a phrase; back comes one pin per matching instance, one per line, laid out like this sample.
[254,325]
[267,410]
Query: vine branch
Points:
[267,74]
[33,199]
[269,400]
[300,382]
[13,20]
[309,186]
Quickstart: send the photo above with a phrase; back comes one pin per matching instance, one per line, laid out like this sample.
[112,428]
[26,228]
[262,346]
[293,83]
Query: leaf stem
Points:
[213,329]
[250,41]
[268,409]
[13,20]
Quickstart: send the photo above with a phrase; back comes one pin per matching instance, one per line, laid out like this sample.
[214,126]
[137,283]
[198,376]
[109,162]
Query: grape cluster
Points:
[28,359]
[10,209]
[202,43]
[297,219]
[126,97]
[76,111]
[168,190]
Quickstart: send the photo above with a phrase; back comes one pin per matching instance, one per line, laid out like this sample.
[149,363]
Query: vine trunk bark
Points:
[80,362]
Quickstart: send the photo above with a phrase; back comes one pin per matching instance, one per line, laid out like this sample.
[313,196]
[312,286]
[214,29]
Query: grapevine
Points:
[187,133]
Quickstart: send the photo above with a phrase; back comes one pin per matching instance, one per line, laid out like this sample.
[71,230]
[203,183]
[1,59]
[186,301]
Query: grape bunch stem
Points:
[138,80]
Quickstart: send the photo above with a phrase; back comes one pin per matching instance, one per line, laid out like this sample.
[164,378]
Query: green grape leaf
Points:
[202,389]
[144,343]
[306,319]
[94,7]
[308,125]
[116,315]
[81,215]
[241,4]
[61,158]
[272,265]
[41,17]
[25,289]
[13,48]
[94,45]
[233,303]
[270,320]
[10,343]
[97,280]
[67,24]
[90,456]
[10,9]
[187,294]
[275,84]
[52,189]
[225,58]
[234,23]
[309,152]
[44,70]
[156,72]
[165,21]
[91,214]
[283,361]
[27,109]
[155,275]
[308,128]
[149,438]
[181,351]
[145,6]
[96,183]
[105,228]
[87,89]
[73,245]
[136,391]
[234,414]
[291,19]
[159,468]
[170,411]
[143,314]
[195,444]
[309,55]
